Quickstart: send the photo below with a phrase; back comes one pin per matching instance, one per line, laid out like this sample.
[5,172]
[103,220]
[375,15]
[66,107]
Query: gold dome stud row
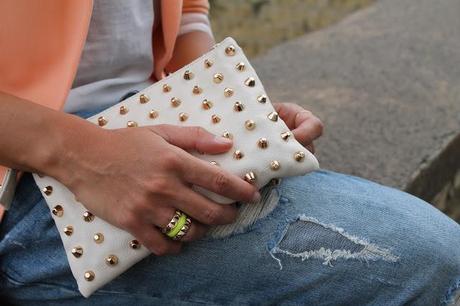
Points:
[176,102]
[110,260]
[206,104]
[239,66]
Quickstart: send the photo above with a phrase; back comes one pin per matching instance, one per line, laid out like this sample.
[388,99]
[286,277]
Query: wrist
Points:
[68,147]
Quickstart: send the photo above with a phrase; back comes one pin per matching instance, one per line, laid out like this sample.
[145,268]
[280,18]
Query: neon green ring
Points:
[176,229]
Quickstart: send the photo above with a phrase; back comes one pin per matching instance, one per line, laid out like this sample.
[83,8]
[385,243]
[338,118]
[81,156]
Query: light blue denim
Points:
[333,239]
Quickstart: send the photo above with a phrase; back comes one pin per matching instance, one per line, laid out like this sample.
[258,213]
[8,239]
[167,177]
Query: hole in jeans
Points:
[307,238]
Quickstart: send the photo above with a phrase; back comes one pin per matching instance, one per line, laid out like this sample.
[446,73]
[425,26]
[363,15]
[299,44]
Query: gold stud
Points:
[262,143]
[131,124]
[144,98]
[87,216]
[111,260]
[68,230]
[208,63]
[166,88]
[240,66]
[89,275]
[188,75]
[262,99]
[250,177]
[214,163]
[218,78]
[228,92]
[101,121]
[48,190]
[98,238]
[153,114]
[134,244]
[230,50]
[183,117]
[275,165]
[273,116]
[250,82]
[77,251]
[299,156]
[123,110]
[215,119]
[227,134]
[250,124]
[58,211]
[175,102]
[206,104]
[238,106]
[197,90]
[286,135]
[238,154]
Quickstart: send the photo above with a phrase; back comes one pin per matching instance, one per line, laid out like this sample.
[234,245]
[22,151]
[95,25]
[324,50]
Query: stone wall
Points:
[386,83]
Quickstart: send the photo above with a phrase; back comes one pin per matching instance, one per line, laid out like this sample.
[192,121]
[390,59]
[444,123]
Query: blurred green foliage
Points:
[260,24]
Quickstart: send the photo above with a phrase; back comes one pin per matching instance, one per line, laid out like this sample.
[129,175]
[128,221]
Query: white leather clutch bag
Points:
[220,92]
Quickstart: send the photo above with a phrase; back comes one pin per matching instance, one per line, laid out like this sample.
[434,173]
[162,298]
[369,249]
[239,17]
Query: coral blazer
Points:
[41,43]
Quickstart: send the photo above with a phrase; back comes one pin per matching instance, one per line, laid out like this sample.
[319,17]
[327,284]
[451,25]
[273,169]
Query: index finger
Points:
[218,180]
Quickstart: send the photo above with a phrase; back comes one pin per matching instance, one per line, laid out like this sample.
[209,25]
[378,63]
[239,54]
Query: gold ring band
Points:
[178,227]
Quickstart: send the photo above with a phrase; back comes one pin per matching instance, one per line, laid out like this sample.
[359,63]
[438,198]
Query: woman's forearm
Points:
[188,47]
[38,139]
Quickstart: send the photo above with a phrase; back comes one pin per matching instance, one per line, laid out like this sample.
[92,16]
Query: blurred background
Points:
[275,21]
[383,75]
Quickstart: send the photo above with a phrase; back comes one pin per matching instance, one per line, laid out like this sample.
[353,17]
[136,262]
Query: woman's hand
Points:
[135,179]
[305,126]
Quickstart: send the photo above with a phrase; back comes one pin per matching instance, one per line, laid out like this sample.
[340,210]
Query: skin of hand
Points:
[305,126]
[135,179]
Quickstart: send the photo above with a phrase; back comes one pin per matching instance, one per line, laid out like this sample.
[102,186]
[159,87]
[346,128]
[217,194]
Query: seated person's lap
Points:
[332,238]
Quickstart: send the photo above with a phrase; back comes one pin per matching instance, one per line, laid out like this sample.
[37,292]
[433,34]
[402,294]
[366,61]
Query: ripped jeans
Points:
[332,239]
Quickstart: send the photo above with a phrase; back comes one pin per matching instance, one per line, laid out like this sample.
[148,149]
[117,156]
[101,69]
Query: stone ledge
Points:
[386,83]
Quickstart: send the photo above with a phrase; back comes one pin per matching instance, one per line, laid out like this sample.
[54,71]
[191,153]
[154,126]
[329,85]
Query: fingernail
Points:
[256,197]
[223,140]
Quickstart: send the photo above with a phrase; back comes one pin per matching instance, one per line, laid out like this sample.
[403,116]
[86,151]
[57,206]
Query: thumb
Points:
[192,138]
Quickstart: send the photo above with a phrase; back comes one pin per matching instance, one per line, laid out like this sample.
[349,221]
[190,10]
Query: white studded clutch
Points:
[220,92]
